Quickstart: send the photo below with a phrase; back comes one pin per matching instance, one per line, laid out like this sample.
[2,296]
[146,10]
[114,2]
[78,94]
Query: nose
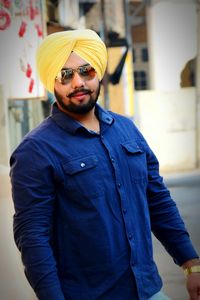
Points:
[77,81]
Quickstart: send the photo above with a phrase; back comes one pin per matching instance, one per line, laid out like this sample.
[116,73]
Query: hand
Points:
[193,280]
[193,286]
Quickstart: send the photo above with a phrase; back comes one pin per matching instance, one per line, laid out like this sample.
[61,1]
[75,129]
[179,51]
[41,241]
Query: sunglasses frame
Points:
[80,70]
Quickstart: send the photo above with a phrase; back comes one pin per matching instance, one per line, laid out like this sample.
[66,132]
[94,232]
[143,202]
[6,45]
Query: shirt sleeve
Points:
[166,222]
[33,195]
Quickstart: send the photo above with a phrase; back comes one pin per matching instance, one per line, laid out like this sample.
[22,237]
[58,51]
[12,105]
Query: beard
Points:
[78,108]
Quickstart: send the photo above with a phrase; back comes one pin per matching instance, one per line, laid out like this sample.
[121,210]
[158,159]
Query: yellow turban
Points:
[56,48]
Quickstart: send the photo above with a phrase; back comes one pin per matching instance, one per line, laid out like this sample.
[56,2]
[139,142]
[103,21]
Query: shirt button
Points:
[82,165]
[124,210]
[130,236]
[112,159]
[102,137]
[119,185]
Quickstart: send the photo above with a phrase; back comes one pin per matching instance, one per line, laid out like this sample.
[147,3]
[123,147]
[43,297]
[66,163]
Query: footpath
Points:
[182,178]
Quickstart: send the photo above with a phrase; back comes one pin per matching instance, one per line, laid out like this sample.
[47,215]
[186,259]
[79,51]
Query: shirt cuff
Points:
[183,252]
[52,293]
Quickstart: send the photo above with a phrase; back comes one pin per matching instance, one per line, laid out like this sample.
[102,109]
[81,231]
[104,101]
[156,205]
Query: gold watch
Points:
[193,269]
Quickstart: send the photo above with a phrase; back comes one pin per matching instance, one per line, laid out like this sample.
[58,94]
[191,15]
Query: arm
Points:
[34,196]
[166,222]
[168,226]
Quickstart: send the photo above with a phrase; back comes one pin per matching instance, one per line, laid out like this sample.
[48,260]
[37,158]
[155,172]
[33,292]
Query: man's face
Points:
[78,94]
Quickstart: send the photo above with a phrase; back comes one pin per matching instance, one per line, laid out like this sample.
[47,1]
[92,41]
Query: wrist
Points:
[190,270]
[191,266]
[191,263]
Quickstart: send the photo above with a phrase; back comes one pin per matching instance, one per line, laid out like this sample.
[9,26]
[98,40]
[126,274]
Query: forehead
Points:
[74,61]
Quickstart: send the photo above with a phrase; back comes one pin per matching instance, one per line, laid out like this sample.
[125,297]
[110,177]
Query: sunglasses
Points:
[86,72]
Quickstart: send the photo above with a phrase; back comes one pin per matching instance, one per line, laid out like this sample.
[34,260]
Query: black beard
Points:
[78,109]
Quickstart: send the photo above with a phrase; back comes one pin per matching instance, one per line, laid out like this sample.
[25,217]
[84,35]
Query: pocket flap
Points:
[132,147]
[80,164]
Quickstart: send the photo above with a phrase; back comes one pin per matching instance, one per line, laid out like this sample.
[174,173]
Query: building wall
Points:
[167,113]
[172,41]
[167,120]
[4,130]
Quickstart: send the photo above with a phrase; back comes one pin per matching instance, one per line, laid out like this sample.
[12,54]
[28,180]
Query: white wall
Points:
[17,52]
[4,130]
[167,120]
[172,41]
[198,87]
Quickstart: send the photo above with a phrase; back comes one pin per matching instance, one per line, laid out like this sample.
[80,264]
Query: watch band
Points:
[193,269]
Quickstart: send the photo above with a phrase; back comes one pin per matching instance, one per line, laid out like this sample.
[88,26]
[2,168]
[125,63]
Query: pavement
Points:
[182,178]
[13,284]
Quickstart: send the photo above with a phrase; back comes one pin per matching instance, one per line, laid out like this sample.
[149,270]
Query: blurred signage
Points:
[21,31]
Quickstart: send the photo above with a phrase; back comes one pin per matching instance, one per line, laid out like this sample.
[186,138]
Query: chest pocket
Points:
[82,178]
[136,159]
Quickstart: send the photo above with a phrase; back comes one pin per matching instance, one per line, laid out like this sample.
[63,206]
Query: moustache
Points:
[81,90]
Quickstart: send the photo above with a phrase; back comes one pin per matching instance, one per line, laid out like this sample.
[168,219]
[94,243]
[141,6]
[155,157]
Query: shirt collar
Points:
[70,125]
[103,115]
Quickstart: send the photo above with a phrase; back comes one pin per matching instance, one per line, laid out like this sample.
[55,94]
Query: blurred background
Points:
[153,77]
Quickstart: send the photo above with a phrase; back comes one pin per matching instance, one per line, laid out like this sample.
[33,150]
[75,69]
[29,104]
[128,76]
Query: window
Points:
[24,115]
[134,58]
[145,56]
[140,79]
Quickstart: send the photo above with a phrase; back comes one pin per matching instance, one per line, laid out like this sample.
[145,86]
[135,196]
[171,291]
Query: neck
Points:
[88,120]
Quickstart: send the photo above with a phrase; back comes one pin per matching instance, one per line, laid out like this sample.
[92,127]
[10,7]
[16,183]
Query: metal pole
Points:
[127,25]
[104,36]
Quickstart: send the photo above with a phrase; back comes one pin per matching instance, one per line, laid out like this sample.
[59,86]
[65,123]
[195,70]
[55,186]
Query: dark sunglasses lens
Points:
[87,71]
[66,75]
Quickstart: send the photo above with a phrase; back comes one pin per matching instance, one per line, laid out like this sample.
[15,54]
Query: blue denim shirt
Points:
[85,206]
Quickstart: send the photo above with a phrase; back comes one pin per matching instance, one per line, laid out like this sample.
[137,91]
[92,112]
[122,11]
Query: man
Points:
[87,190]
